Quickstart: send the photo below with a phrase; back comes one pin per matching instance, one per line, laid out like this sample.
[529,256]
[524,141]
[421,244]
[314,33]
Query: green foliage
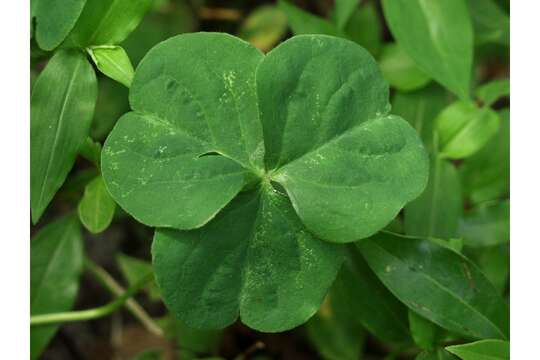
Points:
[302,22]
[264,27]
[493,90]
[96,209]
[482,350]
[491,24]
[486,225]
[423,331]
[134,270]
[113,62]
[399,69]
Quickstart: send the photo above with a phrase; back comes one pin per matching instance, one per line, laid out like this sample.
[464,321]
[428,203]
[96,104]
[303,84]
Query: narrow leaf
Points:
[134,270]
[364,28]
[303,22]
[344,10]
[113,62]
[56,259]
[264,27]
[491,23]
[59,123]
[493,90]
[54,20]
[91,151]
[482,350]
[96,209]
[439,284]
[400,70]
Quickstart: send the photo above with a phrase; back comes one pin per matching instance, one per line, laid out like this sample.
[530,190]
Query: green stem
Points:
[90,314]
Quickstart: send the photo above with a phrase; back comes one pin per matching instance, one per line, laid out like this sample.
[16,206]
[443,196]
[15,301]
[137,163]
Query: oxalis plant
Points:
[327,183]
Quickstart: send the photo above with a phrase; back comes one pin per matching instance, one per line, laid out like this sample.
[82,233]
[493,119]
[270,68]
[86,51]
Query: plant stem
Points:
[90,314]
[116,289]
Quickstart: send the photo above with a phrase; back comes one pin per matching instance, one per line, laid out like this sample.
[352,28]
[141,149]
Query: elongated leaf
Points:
[303,22]
[437,354]
[436,213]
[423,331]
[56,258]
[493,90]
[463,129]
[113,62]
[134,270]
[96,209]
[364,28]
[482,350]
[59,123]
[439,284]
[182,113]
[350,168]
[486,174]
[254,260]
[264,27]
[358,296]
[486,225]
[108,22]
[495,264]
[491,23]
[344,10]
[400,70]
[438,36]
[54,20]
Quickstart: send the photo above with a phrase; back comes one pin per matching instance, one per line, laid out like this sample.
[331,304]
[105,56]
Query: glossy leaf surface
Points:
[56,259]
[482,350]
[96,208]
[54,20]
[59,123]
[439,284]
[113,62]
[438,36]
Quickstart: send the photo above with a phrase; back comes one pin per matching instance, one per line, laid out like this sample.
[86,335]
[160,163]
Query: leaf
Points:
[491,349]
[113,62]
[365,29]
[91,151]
[254,260]
[493,90]
[134,270]
[438,284]
[59,123]
[463,129]
[108,22]
[358,295]
[491,24]
[420,108]
[437,354]
[96,209]
[56,260]
[495,264]
[436,213]
[399,69]
[486,225]
[302,22]
[423,331]
[54,20]
[151,160]
[264,27]
[344,10]
[111,103]
[486,174]
[351,168]
[438,36]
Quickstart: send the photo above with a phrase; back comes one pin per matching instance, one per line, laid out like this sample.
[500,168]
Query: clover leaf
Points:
[247,162]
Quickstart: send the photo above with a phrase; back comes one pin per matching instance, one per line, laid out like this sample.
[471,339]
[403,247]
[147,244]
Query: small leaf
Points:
[486,174]
[264,27]
[255,259]
[486,225]
[463,129]
[439,284]
[96,209]
[400,70]
[438,36]
[344,10]
[482,350]
[113,62]
[59,123]
[303,22]
[364,28]
[56,260]
[108,22]
[491,24]
[437,211]
[493,90]
[437,354]
[423,331]
[91,151]
[54,20]
[134,270]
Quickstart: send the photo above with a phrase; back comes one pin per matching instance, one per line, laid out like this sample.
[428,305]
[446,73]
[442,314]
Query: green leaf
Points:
[439,284]
[148,355]
[153,158]
[365,29]
[491,349]
[493,90]
[463,129]
[344,10]
[54,20]
[111,103]
[486,225]
[59,123]
[437,354]
[113,62]
[491,24]
[359,296]
[91,151]
[108,22]
[96,209]
[351,167]
[264,27]
[437,211]
[254,260]
[56,260]
[400,70]
[495,264]
[134,270]
[438,36]
[486,174]
[423,331]
[303,22]
[420,108]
